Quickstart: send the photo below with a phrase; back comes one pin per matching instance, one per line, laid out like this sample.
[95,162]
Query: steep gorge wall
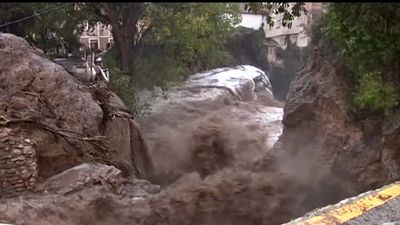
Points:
[326,141]
[292,59]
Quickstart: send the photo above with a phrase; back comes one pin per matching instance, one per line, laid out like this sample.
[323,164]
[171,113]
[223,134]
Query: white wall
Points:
[298,25]
[253,21]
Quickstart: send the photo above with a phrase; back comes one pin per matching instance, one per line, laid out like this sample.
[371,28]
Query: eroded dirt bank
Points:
[360,152]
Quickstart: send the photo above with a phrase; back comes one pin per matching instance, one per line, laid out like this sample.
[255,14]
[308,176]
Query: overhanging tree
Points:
[124,19]
[184,38]
[289,11]
[45,25]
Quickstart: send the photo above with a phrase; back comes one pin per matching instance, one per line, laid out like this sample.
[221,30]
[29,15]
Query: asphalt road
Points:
[388,213]
[377,207]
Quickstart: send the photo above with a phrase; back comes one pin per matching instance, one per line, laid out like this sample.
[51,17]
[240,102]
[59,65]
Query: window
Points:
[94,44]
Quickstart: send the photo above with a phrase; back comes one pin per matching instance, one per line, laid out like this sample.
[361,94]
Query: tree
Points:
[13,11]
[128,32]
[56,29]
[124,19]
[46,25]
[184,37]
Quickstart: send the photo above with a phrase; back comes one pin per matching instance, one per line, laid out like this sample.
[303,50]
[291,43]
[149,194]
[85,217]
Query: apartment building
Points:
[297,31]
[98,37]
[279,36]
[252,20]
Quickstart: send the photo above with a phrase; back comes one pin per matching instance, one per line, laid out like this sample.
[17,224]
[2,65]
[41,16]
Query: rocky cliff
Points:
[51,119]
[288,62]
[324,141]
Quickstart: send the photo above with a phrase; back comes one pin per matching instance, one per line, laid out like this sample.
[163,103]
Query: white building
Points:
[98,37]
[278,35]
[254,21]
[297,32]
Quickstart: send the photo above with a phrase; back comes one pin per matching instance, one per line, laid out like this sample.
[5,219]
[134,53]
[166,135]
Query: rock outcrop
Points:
[88,175]
[66,121]
[69,197]
[325,144]
[288,61]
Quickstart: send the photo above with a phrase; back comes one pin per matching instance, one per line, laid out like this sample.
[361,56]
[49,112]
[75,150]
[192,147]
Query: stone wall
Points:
[18,165]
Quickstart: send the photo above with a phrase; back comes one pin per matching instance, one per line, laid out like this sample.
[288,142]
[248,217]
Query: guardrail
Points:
[95,70]
[353,208]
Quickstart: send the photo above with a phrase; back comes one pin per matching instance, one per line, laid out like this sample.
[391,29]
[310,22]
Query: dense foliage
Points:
[366,35]
[49,26]
[374,94]
[10,12]
[183,39]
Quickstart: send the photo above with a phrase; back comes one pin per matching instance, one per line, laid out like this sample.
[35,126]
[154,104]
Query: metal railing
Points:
[95,70]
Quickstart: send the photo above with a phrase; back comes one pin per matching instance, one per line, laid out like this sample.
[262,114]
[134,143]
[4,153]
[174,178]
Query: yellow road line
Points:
[354,209]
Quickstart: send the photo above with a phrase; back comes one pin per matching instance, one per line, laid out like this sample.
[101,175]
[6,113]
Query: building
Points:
[99,37]
[250,19]
[297,31]
[279,36]
[278,32]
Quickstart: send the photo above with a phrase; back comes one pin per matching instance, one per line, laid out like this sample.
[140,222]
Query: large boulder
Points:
[88,175]
[68,197]
[65,121]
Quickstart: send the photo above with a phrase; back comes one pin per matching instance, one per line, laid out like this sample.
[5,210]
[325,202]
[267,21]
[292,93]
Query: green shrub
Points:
[183,39]
[121,85]
[158,69]
[366,36]
[375,95]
